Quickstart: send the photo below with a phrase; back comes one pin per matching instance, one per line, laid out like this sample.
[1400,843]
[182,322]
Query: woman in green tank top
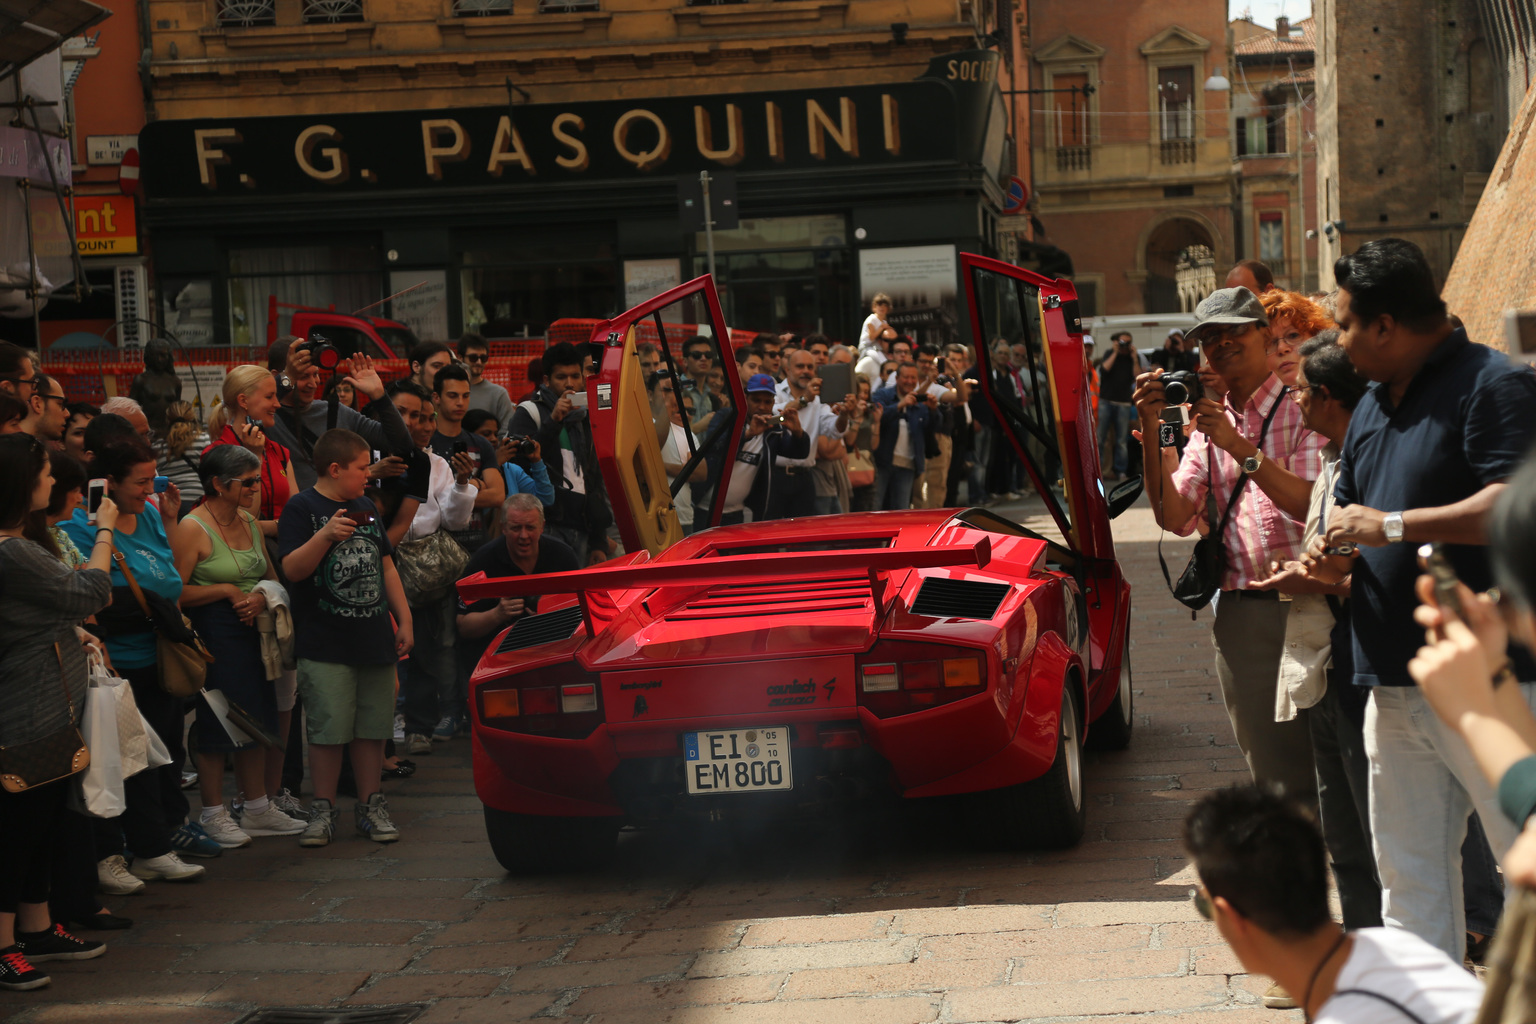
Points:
[221,557]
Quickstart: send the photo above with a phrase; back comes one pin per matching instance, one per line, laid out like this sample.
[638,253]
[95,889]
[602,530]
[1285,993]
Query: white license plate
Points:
[737,760]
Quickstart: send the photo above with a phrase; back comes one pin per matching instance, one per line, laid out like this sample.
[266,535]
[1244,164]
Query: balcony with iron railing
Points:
[246,13]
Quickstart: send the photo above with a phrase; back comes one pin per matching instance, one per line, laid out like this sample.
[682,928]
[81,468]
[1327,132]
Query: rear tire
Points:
[1112,729]
[1049,812]
[533,843]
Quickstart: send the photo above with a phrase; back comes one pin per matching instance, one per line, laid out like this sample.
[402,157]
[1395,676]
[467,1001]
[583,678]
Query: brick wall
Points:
[1492,271]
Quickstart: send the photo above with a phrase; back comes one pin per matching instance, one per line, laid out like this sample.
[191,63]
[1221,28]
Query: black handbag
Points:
[1201,578]
[28,765]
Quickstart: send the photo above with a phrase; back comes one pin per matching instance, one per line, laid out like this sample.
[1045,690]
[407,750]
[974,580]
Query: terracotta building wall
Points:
[1492,272]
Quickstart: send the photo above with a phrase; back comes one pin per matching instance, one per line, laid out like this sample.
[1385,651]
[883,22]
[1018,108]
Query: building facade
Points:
[1273,133]
[1131,153]
[1412,108]
[515,161]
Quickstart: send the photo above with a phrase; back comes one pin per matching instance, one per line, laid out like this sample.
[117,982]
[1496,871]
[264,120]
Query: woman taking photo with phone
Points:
[43,679]
[221,558]
[250,405]
[152,824]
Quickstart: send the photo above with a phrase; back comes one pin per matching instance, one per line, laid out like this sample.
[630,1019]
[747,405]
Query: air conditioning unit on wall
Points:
[132,289]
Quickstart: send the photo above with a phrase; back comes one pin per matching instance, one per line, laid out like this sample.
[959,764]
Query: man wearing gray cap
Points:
[1255,432]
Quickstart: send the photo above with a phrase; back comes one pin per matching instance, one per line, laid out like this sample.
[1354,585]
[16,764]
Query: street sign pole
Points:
[709,224]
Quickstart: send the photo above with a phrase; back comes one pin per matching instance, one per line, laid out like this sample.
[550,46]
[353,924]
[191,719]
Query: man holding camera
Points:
[794,484]
[556,417]
[1255,428]
[1117,381]
[766,438]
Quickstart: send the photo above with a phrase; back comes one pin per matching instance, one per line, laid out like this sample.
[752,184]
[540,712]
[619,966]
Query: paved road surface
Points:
[891,922]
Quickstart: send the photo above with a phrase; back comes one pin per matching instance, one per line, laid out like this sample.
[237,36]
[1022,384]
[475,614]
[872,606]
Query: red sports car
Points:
[796,664]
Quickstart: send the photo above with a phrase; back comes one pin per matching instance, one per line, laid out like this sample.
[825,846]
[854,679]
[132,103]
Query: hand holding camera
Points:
[338,528]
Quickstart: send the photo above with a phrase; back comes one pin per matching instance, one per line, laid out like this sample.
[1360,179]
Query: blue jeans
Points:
[1424,784]
[1115,420]
[893,488]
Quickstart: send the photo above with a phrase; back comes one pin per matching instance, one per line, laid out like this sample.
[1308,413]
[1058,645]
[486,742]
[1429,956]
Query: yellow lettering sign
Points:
[651,158]
[735,136]
[452,150]
[775,131]
[209,156]
[508,149]
[304,151]
[578,160]
[818,126]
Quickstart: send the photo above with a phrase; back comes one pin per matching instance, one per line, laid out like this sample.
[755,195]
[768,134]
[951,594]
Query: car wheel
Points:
[1112,729]
[529,843]
[1049,812]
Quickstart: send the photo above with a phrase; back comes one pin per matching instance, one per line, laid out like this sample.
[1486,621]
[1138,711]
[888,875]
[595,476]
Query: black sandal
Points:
[403,769]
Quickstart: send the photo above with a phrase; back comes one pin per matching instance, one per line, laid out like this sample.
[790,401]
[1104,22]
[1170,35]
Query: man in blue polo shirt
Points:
[1427,452]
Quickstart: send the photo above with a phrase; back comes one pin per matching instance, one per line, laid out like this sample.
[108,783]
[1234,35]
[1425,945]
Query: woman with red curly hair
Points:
[1293,319]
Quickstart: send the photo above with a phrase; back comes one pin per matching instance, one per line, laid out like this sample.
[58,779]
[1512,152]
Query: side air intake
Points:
[959,599]
[534,630]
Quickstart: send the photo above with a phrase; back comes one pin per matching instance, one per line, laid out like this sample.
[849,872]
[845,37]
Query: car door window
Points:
[1017,377]
[666,414]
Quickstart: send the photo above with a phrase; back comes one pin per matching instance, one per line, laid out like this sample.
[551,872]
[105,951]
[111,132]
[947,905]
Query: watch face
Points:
[1250,465]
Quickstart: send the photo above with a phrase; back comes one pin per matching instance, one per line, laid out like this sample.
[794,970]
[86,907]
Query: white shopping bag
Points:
[159,755]
[101,784]
[132,741]
[220,705]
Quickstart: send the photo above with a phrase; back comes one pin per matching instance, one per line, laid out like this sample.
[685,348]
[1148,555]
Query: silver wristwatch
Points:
[1392,526]
[1252,463]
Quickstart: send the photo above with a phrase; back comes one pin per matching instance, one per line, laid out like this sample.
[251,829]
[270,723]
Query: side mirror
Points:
[1123,495]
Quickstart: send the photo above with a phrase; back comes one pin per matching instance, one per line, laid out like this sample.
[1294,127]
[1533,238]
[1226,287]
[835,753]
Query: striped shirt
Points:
[1258,532]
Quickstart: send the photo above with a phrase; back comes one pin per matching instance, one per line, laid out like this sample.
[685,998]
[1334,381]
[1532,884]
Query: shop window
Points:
[816,232]
[343,278]
[247,12]
[1272,237]
[1262,132]
[186,309]
[480,8]
[522,301]
[805,292]
[1176,102]
[331,11]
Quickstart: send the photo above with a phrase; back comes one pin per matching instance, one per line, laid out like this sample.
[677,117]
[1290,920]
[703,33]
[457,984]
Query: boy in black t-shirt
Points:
[344,588]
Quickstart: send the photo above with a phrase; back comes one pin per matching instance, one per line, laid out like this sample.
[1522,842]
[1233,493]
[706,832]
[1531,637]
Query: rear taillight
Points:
[898,678]
[557,700]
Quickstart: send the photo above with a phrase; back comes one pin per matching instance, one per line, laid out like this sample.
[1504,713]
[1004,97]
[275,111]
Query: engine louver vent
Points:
[541,629]
[959,599]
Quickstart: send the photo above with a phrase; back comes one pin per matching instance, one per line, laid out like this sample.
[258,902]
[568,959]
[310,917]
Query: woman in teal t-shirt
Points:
[156,806]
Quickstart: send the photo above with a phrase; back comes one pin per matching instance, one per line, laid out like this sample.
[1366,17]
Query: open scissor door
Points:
[1041,402]
[635,414]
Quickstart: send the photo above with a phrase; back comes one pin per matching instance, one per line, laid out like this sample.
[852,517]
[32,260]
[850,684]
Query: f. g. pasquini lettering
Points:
[920,120]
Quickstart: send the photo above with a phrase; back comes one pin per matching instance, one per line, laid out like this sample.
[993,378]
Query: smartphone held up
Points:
[94,492]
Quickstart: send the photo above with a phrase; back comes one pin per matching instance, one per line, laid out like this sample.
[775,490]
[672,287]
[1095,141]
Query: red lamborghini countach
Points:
[791,665]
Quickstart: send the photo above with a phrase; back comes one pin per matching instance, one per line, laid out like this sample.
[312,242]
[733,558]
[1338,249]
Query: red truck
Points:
[351,333]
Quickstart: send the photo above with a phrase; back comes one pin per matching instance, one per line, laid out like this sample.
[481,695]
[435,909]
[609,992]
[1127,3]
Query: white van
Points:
[1148,332]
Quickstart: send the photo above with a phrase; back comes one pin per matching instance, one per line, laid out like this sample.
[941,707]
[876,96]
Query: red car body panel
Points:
[720,630]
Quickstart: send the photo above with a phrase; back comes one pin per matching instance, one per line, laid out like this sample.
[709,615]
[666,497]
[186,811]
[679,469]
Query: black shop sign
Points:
[942,116]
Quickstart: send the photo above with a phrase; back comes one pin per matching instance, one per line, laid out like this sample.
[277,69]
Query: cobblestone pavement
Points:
[894,922]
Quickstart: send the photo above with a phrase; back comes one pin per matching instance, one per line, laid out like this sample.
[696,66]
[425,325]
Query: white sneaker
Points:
[167,866]
[399,727]
[112,877]
[221,828]
[271,822]
[289,805]
[417,744]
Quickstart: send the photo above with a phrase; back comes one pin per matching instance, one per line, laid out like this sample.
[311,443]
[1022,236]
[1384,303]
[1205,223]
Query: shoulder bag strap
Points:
[133,584]
[1242,478]
[64,683]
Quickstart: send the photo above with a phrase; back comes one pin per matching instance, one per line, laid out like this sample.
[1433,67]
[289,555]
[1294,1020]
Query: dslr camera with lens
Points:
[321,352]
[523,446]
[1179,388]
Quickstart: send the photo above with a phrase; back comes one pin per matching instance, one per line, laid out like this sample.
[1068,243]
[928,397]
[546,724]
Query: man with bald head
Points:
[46,414]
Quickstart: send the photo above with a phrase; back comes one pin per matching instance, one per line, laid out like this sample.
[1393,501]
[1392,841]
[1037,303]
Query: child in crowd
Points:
[344,589]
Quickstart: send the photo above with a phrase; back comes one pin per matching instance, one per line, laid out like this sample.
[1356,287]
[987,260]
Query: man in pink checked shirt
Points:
[1281,461]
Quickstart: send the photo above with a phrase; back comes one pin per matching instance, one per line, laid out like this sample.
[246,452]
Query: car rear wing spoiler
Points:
[593,585]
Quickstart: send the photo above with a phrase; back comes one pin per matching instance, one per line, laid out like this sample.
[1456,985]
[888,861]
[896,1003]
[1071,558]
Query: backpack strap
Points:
[532,409]
[1399,1007]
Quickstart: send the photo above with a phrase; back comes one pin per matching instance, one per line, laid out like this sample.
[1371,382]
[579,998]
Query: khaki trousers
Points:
[928,489]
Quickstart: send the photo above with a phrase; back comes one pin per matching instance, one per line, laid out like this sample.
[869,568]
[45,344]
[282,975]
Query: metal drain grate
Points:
[402,1014]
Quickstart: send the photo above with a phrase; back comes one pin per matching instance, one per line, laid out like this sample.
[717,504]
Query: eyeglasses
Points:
[254,481]
[483,357]
[61,399]
[1297,390]
[30,381]
[1202,903]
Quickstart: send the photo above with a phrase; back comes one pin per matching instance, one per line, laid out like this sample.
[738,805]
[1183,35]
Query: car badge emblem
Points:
[641,707]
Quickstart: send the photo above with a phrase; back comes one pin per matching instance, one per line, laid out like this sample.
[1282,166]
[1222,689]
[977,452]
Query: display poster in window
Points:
[645,278]
[922,283]
[203,386]
[187,310]
[424,307]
